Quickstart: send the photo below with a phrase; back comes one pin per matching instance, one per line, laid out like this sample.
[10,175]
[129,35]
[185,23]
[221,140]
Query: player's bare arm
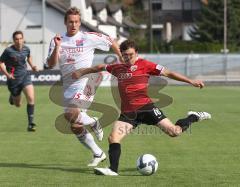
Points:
[33,67]
[83,71]
[53,59]
[179,77]
[116,49]
[3,69]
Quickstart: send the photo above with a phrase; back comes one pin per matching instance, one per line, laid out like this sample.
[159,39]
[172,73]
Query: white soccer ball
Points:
[147,164]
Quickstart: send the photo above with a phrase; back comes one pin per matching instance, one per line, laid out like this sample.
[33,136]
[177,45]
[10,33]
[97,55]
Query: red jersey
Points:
[133,82]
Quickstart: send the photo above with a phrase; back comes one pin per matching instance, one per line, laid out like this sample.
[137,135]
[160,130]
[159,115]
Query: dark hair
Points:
[71,11]
[16,33]
[128,44]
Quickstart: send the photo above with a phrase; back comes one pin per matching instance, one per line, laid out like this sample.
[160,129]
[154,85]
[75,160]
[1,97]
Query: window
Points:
[34,27]
[156,1]
[157,35]
[156,6]
[187,5]
[99,1]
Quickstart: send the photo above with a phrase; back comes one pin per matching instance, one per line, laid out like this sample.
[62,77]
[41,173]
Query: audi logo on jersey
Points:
[125,75]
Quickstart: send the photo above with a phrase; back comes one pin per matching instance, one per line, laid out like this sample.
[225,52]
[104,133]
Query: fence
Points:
[210,67]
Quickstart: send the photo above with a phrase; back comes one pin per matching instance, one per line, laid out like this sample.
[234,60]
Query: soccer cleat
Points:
[97,159]
[200,115]
[105,171]
[97,129]
[10,100]
[31,127]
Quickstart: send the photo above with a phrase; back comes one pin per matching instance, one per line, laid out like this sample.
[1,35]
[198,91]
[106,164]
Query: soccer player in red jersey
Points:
[136,106]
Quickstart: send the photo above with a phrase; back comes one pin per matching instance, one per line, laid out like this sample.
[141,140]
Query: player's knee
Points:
[31,101]
[110,139]
[77,130]
[71,116]
[113,139]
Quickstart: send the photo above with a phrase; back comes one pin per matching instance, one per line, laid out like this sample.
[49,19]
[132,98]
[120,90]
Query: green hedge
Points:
[190,46]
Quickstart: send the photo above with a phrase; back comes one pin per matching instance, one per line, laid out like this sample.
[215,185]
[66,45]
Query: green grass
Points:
[206,156]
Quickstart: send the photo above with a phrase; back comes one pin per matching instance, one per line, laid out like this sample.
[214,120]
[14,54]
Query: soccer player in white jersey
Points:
[74,50]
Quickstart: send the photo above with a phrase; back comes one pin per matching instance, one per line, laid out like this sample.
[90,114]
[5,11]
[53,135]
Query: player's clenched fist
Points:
[57,40]
[198,83]
[77,74]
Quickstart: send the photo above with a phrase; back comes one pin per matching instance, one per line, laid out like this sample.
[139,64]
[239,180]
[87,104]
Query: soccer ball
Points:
[147,164]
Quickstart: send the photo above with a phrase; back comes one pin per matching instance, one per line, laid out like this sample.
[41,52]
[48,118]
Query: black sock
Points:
[114,155]
[30,113]
[186,122]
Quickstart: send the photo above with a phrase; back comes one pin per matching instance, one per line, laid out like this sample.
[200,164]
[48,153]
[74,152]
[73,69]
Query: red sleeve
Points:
[153,69]
[109,68]
[113,68]
[116,69]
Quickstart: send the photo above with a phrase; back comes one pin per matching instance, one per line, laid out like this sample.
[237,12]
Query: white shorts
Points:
[81,93]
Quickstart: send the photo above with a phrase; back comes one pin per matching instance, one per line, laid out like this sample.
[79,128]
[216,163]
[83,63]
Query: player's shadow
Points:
[47,167]
[129,172]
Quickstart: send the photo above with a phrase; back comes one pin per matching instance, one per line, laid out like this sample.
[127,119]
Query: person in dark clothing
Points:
[13,63]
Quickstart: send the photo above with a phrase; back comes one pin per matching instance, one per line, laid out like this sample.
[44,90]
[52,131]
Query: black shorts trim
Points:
[148,114]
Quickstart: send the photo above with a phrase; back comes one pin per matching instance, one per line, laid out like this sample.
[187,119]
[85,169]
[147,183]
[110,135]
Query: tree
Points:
[234,22]
[209,25]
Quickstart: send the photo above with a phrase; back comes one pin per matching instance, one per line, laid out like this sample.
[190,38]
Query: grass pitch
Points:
[206,155]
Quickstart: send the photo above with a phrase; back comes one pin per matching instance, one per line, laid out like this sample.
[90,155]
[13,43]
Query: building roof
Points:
[113,8]
[88,3]
[127,21]
[63,5]
[98,6]
[112,21]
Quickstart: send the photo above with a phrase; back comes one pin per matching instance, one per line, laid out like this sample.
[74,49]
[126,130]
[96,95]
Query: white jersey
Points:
[77,52]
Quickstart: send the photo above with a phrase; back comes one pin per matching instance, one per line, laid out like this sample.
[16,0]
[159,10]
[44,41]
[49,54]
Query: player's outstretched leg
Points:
[192,117]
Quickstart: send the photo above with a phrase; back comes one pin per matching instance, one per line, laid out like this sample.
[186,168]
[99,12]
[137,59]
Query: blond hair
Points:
[72,11]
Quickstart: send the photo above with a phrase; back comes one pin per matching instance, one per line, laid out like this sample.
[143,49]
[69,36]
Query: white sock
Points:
[85,119]
[88,141]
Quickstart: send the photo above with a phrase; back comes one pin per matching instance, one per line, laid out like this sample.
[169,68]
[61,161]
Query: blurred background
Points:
[199,38]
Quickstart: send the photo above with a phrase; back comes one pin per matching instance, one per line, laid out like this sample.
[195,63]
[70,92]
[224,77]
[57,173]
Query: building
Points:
[27,15]
[172,19]
[97,15]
